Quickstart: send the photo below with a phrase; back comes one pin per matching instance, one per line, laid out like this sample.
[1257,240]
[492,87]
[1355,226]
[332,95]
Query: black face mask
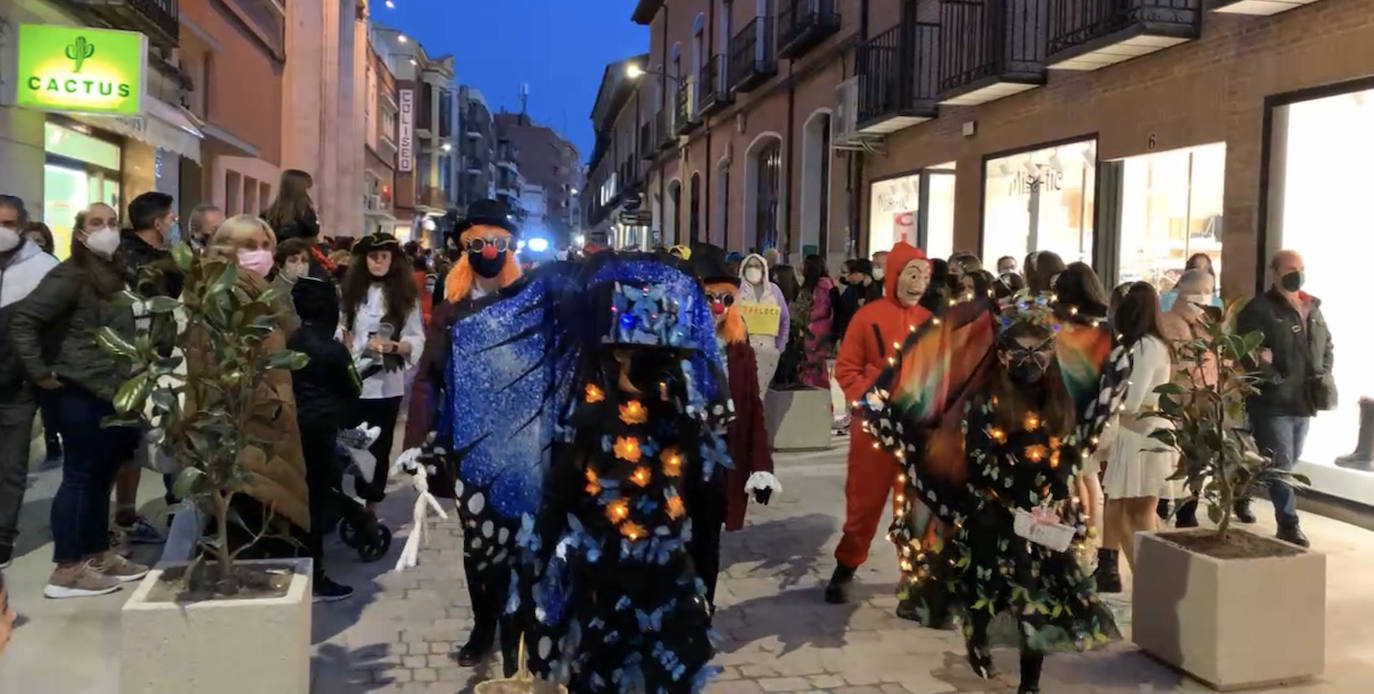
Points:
[1292,281]
[487,267]
[1028,366]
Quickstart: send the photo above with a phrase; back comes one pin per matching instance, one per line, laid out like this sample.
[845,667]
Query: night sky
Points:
[549,44]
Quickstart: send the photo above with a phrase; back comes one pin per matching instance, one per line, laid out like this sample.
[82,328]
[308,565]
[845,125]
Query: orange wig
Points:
[458,284]
[731,329]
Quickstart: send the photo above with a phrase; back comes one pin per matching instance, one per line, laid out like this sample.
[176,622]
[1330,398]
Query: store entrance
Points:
[80,169]
[1320,206]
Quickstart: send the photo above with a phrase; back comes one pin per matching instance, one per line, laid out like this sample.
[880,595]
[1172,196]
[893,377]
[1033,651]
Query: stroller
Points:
[358,528]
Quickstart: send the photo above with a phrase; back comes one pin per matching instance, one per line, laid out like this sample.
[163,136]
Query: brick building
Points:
[546,160]
[380,120]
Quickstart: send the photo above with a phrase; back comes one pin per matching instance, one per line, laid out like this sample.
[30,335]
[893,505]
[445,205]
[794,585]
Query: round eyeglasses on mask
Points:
[478,245]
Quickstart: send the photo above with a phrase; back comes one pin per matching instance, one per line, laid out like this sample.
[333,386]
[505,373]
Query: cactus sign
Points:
[80,69]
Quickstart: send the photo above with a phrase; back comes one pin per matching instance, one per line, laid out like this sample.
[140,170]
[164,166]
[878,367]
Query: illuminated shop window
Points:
[1171,205]
[1040,200]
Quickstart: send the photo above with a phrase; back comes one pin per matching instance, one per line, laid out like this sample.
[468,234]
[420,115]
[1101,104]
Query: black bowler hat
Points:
[379,241]
[486,212]
[708,262]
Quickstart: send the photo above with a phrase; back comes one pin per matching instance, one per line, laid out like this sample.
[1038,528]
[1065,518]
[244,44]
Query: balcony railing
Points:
[1089,34]
[990,49]
[714,92]
[685,113]
[628,173]
[159,19]
[752,60]
[802,24]
[897,74]
[663,128]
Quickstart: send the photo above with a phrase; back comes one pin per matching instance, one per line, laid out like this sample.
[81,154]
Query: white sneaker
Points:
[79,581]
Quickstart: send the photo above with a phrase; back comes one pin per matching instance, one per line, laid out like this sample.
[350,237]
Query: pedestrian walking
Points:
[766,315]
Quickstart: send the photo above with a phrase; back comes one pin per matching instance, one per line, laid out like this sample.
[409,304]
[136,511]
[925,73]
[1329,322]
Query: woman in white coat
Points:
[1136,472]
[757,297]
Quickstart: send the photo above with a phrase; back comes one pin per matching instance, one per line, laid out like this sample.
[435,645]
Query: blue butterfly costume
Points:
[598,556]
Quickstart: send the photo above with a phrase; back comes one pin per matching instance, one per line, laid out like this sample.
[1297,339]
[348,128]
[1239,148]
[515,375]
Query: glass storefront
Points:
[80,169]
[1041,200]
[895,212]
[1171,207]
[1320,207]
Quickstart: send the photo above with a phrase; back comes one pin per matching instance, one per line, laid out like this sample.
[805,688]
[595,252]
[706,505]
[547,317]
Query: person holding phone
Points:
[384,332]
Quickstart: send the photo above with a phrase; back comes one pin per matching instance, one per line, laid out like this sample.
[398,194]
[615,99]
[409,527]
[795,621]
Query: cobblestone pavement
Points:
[398,634]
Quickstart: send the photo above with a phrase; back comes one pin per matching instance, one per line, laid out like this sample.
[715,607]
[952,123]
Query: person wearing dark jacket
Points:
[325,389]
[1296,359]
[52,333]
[860,288]
[292,216]
[22,266]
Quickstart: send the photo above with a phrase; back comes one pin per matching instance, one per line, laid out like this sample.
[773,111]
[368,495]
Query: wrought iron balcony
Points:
[628,173]
[159,19]
[990,49]
[685,117]
[714,90]
[1090,34]
[1255,7]
[897,74]
[802,24]
[752,60]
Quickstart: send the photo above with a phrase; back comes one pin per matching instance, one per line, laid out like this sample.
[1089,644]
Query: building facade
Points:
[189,69]
[547,160]
[380,126]
[478,149]
[614,190]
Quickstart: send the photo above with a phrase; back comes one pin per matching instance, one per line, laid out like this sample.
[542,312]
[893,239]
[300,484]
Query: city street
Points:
[397,634]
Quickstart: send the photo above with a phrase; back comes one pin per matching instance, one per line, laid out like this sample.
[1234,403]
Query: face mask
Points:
[1198,299]
[103,242]
[1292,281]
[878,274]
[259,262]
[753,276]
[484,266]
[9,239]
[295,271]
[1027,367]
[174,234]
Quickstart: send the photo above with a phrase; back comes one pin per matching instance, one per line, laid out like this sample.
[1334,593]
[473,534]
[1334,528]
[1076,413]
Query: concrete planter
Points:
[218,646]
[798,420]
[1231,623]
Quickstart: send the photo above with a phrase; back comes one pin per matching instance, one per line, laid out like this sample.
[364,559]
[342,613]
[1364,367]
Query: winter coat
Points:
[279,482]
[52,331]
[745,436]
[327,385]
[26,268]
[149,270]
[1297,380]
[853,298]
[819,342]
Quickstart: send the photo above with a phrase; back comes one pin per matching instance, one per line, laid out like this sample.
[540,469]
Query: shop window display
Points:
[1041,200]
[895,212]
[1324,214]
[80,169]
[1171,209]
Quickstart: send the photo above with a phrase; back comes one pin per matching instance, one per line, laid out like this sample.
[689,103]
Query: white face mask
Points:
[1198,299]
[9,239]
[753,276]
[103,241]
[878,273]
[295,271]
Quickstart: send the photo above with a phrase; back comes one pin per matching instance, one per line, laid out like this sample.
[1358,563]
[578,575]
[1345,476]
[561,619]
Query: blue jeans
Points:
[81,509]
[1282,438]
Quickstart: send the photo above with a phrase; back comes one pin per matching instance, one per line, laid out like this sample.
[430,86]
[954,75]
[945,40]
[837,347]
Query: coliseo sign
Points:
[81,69]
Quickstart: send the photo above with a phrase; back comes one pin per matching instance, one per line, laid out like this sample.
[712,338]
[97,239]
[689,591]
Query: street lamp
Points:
[401,38]
[447,147]
[634,71]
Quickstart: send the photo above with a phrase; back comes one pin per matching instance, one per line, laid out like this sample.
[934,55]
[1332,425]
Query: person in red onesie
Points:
[867,345]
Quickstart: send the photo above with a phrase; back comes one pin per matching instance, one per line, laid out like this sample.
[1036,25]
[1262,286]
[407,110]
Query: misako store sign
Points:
[81,69]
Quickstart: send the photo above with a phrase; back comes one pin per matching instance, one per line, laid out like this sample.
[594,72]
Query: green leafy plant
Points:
[205,420]
[1205,408]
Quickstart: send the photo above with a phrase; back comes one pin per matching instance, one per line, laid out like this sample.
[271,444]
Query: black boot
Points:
[1293,533]
[1030,672]
[1162,510]
[1243,512]
[1186,515]
[837,591]
[1107,575]
[477,647]
[980,659]
[1363,457]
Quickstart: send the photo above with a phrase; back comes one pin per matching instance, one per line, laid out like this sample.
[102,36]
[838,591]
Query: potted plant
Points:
[798,415]
[1229,607]
[216,623]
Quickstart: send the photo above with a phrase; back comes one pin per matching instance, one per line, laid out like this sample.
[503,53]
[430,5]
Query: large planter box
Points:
[1231,623]
[217,646]
[798,420]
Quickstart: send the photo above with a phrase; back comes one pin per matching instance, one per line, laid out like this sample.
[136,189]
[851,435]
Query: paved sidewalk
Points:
[398,633]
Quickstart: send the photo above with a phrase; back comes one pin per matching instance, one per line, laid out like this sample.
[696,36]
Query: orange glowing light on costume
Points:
[617,510]
[627,448]
[672,462]
[1031,422]
[997,434]
[640,476]
[675,507]
[1036,453]
[633,412]
[594,394]
[631,530]
[593,484]
[1054,458]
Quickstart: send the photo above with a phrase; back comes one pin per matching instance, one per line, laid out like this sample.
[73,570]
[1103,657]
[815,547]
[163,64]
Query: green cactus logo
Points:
[78,51]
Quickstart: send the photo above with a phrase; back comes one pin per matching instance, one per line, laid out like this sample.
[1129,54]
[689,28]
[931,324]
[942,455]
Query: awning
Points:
[163,125]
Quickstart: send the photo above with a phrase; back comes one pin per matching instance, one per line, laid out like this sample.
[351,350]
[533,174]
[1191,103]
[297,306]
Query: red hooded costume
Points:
[867,344]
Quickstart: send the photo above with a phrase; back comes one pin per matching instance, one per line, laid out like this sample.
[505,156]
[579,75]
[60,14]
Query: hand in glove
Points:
[763,485]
